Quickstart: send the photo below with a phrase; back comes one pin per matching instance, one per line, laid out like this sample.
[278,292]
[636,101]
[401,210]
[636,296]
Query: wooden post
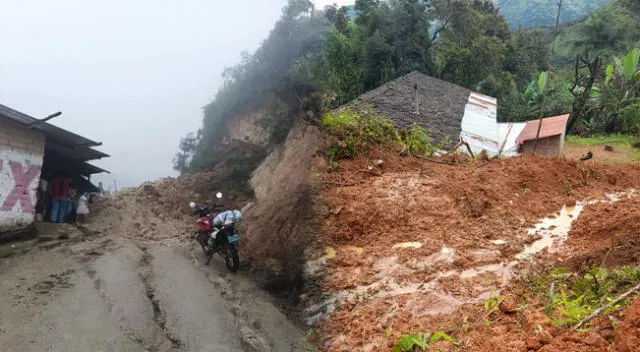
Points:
[546,82]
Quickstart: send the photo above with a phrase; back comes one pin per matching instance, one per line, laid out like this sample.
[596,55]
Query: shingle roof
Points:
[551,126]
[441,104]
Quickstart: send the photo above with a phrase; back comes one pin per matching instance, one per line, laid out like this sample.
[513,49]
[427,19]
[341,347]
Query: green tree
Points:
[182,160]
[410,39]
[605,33]
[338,16]
[620,89]
[526,53]
[472,45]
[300,31]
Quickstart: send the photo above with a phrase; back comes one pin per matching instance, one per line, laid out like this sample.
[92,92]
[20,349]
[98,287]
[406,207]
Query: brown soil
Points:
[137,212]
[456,218]
[607,234]
[278,224]
[279,227]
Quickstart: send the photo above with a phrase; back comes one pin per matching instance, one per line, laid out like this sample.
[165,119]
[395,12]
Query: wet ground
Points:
[111,294]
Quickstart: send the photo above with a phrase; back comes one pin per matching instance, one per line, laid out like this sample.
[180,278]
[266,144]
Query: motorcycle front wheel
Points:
[231,258]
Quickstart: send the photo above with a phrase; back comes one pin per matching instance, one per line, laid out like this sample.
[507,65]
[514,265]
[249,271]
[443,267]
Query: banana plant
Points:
[626,68]
[622,82]
[535,90]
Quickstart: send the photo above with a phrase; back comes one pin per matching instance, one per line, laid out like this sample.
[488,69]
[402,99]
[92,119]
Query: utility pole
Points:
[548,78]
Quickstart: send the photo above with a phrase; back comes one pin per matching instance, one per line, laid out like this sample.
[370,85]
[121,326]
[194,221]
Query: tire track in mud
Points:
[97,283]
[160,339]
[254,311]
[251,340]
[146,277]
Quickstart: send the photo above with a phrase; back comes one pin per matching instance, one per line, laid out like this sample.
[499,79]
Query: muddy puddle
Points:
[449,287]
[553,231]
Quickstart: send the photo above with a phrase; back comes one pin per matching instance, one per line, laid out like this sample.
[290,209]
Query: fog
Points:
[131,74]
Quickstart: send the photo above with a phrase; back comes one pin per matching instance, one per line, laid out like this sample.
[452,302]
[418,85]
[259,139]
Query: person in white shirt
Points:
[83,209]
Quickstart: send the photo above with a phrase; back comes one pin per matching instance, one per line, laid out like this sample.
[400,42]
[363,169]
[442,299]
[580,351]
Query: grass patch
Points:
[571,296]
[633,157]
[357,130]
[612,139]
[623,150]
[421,342]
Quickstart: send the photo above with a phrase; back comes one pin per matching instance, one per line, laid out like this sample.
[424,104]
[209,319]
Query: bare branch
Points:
[606,306]
[440,29]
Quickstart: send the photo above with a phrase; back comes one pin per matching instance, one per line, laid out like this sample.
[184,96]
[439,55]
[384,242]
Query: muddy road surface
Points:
[107,294]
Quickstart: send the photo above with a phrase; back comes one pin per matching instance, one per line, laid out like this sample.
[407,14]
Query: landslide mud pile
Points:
[153,211]
[415,246]
[279,222]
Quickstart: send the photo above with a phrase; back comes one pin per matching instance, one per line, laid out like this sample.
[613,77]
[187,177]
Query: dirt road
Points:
[113,294]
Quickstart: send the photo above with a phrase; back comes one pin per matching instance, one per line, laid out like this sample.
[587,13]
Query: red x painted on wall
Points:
[23,177]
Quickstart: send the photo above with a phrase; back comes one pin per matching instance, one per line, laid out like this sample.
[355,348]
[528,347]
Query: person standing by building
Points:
[83,209]
[43,197]
[60,189]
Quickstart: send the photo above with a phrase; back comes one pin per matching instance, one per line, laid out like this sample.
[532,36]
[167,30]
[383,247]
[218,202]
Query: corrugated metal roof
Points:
[57,134]
[88,169]
[479,124]
[551,126]
[58,139]
[83,154]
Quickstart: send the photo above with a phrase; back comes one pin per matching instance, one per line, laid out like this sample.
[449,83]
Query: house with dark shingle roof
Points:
[433,104]
[453,113]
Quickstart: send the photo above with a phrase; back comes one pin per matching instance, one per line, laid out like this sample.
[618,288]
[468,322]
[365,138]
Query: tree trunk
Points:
[586,82]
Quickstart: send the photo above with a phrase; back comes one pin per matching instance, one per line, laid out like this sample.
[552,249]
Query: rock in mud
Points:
[150,190]
[509,305]
[589,339]
[533,343]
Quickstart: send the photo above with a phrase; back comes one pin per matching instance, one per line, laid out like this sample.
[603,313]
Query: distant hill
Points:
[538,13]
[542,13]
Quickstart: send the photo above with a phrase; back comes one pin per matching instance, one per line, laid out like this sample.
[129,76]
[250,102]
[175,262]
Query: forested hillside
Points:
[536,13]
[542,13]
[321,51]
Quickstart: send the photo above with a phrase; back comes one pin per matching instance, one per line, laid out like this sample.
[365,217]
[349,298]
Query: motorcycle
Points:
[217,233]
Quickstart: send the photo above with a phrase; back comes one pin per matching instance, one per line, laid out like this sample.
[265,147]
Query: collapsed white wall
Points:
[479,124]
[507,133]
[481,130]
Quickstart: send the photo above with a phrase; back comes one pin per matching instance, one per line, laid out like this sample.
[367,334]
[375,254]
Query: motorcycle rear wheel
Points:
[231,258]
[209,252]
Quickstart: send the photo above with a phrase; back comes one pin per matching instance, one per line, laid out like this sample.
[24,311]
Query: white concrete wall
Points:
[21,156]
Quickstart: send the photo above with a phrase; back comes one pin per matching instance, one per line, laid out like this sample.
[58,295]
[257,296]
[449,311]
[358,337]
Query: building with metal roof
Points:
[32,150]
[551,139]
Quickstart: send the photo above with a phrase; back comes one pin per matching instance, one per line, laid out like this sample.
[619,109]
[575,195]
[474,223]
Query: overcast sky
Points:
[131,74]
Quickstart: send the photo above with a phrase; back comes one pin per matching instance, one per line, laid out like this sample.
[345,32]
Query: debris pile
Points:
[416,243]
[153,211]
